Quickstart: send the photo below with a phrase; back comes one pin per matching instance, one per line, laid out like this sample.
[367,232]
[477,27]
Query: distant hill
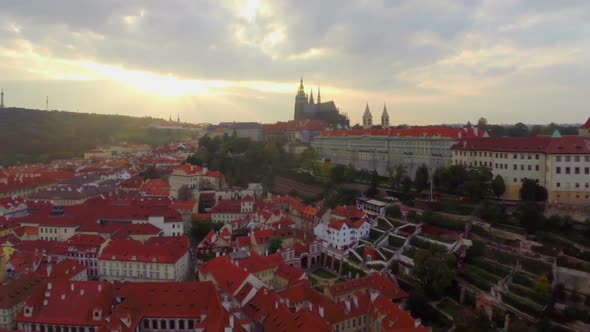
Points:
[28,136]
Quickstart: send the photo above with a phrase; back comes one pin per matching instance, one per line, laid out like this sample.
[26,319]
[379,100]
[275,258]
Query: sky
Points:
[429,61]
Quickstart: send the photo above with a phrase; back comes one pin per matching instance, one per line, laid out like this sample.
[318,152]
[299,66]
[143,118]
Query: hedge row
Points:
[476,281]
[536,267]
[425,244]
[529,293]
[524,306]
[501,256]
[396,241]
[440,220]
[490,266]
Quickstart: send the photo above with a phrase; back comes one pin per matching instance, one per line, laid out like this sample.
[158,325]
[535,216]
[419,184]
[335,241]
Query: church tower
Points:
[319,96]
[2,99]
[367,118]
[311,97]
[300,101]
[385,117]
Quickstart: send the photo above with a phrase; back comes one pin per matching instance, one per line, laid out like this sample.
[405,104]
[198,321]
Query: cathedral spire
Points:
[301,84]
[311,96]
[2,99]
[319,96]
[177,118]
[385,117]
[367,118]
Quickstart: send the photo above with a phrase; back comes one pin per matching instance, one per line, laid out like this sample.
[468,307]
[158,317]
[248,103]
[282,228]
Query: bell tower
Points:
[300,101]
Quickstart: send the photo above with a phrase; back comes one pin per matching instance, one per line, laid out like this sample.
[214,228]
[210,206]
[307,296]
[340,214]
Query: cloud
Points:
[422,55]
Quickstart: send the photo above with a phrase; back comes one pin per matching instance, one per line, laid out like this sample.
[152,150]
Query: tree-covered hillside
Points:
[28,136]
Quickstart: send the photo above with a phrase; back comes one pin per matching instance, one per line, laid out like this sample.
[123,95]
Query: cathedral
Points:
[307,108]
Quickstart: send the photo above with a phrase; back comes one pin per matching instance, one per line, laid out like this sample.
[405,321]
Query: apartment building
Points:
[194,177]
[559,163]
[158,259]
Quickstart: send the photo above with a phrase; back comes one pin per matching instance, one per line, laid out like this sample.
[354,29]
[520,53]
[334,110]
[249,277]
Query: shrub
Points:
[396,241]
[440,220]
[524,306]
[528,293]
[490,266]
[535,267]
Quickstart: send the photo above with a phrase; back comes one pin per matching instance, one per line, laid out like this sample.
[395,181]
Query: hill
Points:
[28,136]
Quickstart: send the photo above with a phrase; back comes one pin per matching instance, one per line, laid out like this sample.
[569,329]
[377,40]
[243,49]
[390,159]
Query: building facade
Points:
[385,149]
[560,164]
[195,178]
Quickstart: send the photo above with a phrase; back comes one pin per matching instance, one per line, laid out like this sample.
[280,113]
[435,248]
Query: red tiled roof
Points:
[58,310]
[17,290]
[427,131]
[189,169]
[228,277]
[66,269]
[538,144]
[166,250]
[374,281]
[586,125]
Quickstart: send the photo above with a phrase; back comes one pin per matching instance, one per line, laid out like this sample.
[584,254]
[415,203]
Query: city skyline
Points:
[430,62]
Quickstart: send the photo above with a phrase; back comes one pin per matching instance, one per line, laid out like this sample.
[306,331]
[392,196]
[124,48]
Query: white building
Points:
[194,177]
[560,164]
[385,149]
[342,234]
[158,259]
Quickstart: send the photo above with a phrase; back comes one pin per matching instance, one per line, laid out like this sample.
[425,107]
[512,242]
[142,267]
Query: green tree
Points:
[435,270]
[498,186]
[309,160]
[530,217]
[394,212]
[421,179]
[200,228]
[373,190]
[338,174]
[274,244]
[468,320]
[397,175]
[417,301]
[482,123]
[185,194]
[531,191]
[542,286]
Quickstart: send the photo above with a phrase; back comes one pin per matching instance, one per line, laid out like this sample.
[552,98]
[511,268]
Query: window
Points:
[529,156]
[536,167]
[515,180]
[567,170]
[558,184]
[577,170]
[515,156]
[515,167]
[586,170]
[568,159]
[537,156]
[529,167]
[558,170]
[522,167]
[577,159]
[558,158]
[577,185]
[587,158]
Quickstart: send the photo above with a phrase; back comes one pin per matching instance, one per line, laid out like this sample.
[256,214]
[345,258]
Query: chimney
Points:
[99,288]
[49,285]
[81,292]
[347,303]
[276,305]
[45,302]
[49,268]
[321,310]
[63,296]
[231,321]
[72,287]
[355,300]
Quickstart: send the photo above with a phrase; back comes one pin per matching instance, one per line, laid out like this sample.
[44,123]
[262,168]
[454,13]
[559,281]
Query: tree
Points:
[185,193]
[397,175]
[326,169]
[436,271]
[417,301]
[200,228]
[309,160]
[531,191]
[530,217]
[467,320]
[373,190]
[498,185]
[151,172]
[518,130]
[421,179]
[542,286]
[338,174]
[394,212]
[482,123]
[274,244]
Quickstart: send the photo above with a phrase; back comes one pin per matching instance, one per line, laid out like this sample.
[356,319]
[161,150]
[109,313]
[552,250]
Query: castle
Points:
[307,108]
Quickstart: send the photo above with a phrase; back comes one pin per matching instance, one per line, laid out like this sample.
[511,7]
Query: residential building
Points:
[371,207]
[226,211]
[64,305]
[194,177]
[13,295]
[342,227]
[559,163]
[159,259]
[385,149]
[250,130]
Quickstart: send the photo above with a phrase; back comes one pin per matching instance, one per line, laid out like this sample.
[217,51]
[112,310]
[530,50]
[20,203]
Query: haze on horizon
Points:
[210,61]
